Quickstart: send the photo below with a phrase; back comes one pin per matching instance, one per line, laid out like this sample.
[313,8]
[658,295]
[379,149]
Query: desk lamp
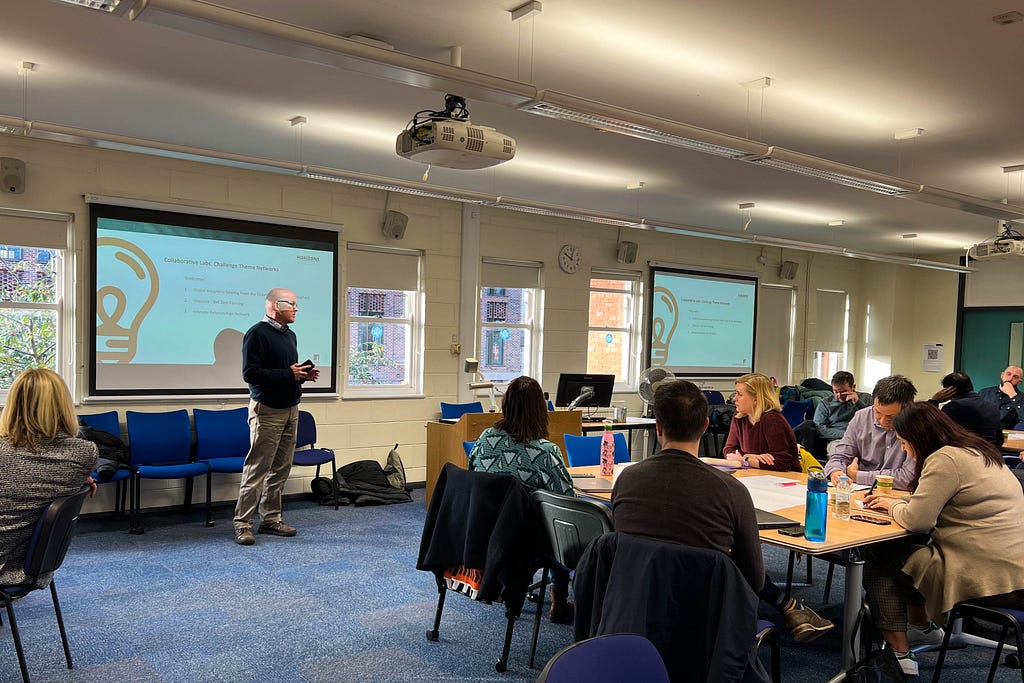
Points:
[472,366]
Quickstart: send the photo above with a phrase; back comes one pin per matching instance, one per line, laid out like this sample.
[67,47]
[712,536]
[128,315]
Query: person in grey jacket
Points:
[40,461]
[832,416]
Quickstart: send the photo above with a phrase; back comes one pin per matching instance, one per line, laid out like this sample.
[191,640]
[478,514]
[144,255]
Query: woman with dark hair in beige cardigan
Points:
[965,509]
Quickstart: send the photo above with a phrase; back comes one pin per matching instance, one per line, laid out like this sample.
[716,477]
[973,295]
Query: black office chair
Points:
[1009,619]
[570,524]
[46,550]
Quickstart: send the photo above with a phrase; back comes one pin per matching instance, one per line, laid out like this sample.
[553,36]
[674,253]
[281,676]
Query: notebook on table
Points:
[770,520]
[594,485]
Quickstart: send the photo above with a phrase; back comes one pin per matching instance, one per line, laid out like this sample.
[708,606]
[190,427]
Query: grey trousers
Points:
[268,463]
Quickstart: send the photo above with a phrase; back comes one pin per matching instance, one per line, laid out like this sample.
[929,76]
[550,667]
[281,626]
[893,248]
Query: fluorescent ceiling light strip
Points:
[833,177]
[968,203]
[388,185]
[541,209]
[643,126]
[109,6]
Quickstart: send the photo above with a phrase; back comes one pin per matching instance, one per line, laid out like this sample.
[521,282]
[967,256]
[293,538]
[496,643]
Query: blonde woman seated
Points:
[518,445]
[965,510]
[40,461]
[759,435]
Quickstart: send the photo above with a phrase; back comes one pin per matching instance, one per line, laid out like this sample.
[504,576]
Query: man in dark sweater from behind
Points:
[673,496]
[270,366]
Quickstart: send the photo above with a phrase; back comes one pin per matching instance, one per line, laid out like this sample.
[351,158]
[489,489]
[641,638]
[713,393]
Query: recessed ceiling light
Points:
[101,5]
[1008,18]
[908,134]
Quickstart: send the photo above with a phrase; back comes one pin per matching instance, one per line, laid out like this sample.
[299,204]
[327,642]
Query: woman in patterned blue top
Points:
[518,445]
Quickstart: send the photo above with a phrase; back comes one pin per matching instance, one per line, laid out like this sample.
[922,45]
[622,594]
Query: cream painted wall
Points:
[59,174]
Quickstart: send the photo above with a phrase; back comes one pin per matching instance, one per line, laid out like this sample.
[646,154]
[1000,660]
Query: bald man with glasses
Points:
[270,365]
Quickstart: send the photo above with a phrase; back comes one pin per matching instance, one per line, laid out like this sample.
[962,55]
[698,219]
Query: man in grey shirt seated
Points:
[832,416]
[870,447]
[1006,397]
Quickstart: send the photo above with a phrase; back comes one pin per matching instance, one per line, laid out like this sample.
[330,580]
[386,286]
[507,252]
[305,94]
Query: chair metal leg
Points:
[789,577]
[828,581]
[17,640]
[540,612]
[137,527]
[502,664]
[189,485]
[950,621]
[810,578]
[209,499]
[441,591]
[60,624]
[334,481]
[999,652]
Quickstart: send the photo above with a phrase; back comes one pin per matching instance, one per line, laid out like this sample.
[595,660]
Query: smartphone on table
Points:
[792,531]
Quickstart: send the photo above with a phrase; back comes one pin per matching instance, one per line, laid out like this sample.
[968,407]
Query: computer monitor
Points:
[571,385]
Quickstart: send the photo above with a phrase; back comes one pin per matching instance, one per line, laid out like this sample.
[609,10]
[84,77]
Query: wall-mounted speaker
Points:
[394,224]
[787,271]
[12,173]
[627,252]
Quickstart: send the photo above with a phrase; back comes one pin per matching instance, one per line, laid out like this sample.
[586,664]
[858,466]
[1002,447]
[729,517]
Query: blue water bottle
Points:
[816,511]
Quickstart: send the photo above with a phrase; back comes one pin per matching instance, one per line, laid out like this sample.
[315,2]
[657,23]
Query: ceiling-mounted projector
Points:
[448,138]
[1009,242]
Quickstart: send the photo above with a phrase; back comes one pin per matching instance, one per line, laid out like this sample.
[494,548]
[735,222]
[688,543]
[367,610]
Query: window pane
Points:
[608,353]
[511,305]
[504,353]
[29,341]
[608,309]
[28,274]
[624,285]
[380,303]
[827,363]
[378,353]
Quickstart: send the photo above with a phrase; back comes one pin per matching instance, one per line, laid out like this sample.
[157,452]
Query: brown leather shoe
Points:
[563,610]
[278,528]
[243,536]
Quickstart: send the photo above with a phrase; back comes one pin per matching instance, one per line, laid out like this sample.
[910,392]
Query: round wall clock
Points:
[569,258]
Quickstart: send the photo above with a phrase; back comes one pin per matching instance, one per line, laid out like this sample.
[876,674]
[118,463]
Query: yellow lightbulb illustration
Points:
[117,340]
[662,329]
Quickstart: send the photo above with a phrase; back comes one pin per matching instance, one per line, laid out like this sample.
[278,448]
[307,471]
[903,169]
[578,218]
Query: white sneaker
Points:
[930,636]
[908,663]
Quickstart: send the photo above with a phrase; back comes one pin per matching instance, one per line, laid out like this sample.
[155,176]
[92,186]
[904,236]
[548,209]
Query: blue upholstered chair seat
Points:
[121,474]
[313,456]
[231,465]
[179,471]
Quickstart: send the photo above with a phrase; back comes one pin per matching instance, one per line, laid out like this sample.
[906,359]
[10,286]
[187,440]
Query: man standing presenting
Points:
[1006,396]
[270,367]
[832,416]
[870,447]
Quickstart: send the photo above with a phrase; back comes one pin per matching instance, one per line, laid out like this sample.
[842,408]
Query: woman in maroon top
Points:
[759,435]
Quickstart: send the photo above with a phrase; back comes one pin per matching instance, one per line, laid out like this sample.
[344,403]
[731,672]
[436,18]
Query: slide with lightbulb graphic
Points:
[175,293]
[702,324]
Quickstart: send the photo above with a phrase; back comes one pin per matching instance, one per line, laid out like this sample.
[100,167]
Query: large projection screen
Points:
[702,323]
[173,294]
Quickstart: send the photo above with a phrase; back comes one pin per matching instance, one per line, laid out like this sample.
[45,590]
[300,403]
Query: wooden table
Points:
[841,536]
[1013,440]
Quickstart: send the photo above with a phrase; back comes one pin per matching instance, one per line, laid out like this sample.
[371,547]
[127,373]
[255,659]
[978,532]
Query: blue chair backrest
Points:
[795,412]
[586,450]
[105,422]
[607,659]
[305,434]
[551,406]
[159,438]
[468,447]
[453,411]
[221,433]
[1019,426]
[715,398]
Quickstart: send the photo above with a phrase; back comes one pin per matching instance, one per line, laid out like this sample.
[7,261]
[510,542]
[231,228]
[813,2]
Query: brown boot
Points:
[563,611]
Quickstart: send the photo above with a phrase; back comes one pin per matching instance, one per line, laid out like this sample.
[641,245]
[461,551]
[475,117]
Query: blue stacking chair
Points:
[45,554]
[715,398]
[453,411]
[586,450]
[796,412]
[108,422]
[308,455]
[222,438]
[468,447]
[607,659]
[161,448]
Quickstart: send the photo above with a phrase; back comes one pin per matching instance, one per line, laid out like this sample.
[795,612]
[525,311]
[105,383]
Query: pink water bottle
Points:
[607,452]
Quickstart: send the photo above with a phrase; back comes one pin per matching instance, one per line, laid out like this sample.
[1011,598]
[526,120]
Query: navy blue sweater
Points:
[267,357]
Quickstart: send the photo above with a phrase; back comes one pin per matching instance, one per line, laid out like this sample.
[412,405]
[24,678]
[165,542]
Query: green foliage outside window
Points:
[28,336]
[366,364]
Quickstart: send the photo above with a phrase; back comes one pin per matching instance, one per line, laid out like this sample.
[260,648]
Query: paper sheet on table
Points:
[773,493]
[1014,436]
